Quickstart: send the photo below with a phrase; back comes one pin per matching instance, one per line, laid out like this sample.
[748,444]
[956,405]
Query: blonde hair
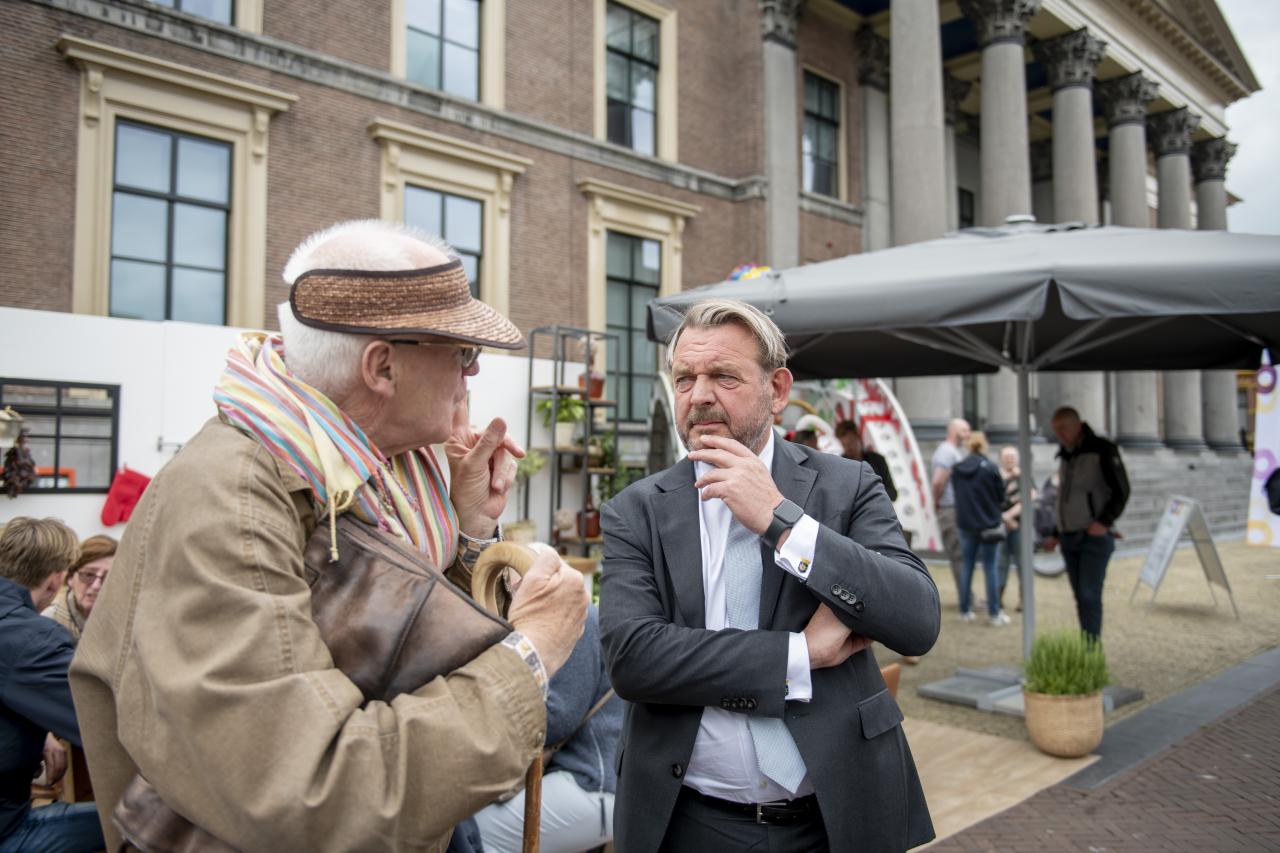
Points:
[978,442]
[33,549]
[94,548]
[710,313]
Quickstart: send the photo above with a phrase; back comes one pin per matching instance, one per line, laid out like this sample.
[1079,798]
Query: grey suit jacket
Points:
[668,667]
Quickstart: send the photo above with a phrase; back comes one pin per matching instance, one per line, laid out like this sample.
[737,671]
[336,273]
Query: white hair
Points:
[330,361]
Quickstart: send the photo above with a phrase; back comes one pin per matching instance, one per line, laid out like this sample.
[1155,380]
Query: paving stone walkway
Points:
[1218,789]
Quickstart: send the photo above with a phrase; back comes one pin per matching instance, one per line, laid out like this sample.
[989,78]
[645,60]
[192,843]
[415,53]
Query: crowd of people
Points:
[259,665]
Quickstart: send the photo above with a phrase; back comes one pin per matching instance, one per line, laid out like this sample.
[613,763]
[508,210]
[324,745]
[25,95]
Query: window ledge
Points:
[831,208]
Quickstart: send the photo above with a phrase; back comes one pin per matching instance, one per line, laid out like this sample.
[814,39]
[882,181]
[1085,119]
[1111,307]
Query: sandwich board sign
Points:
[1183,515]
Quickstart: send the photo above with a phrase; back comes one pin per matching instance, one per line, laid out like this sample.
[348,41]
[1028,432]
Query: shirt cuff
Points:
[799,684]
[796,555]
[520,644]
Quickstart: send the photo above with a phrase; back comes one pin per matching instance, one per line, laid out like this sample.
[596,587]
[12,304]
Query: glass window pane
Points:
[86,426]
[619,124]
[617,354]
[616,304]
[618,254]
[89,458]
[139,227]
[642,131]
[42,452]
[461,72]
[422,59]
[214,10]
[471,265]
[98,399]
[198,296]
[831,103]
[641,390]
[142,158]
[137,290]
[824,177]
[199,236]
[37,425]
[644,38]
[203,169]
[827,142]
[423,15]
[640,297]
[644,353]
[811,97]
[422,209]
[617,27]
[616,80]
[644,86]
[34,395]
[462,222]
[806,168]
[648,261]
[462,22]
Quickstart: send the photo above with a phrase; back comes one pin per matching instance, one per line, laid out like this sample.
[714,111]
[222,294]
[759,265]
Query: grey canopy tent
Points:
[1024,297]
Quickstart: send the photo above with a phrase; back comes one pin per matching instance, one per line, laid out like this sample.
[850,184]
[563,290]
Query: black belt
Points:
[781,812]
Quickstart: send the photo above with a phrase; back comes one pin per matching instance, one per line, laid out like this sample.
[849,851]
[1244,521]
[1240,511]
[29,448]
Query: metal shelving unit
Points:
[563,340]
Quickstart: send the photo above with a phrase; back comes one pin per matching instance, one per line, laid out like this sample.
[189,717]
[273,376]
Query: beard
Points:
[747,431]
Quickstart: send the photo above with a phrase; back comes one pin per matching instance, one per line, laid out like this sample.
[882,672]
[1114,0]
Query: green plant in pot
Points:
[1062,691]
[568,413]
[526,529]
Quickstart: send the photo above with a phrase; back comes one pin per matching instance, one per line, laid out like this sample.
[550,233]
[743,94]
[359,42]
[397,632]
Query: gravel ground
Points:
[1178,642]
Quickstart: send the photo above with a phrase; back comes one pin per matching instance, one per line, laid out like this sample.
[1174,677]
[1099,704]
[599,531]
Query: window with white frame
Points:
[821,139]
[442,45]
[457,219]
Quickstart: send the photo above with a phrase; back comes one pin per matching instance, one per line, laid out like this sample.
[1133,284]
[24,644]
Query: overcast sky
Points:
[1255,122]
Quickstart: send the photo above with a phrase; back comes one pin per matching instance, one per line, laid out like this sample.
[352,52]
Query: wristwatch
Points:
[785,516]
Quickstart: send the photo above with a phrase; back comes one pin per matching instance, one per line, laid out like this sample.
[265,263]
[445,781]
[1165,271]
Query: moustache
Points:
[706,413]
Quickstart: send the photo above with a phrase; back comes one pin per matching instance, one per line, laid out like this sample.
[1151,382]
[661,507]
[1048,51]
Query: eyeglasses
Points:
[90,579]
[467,355]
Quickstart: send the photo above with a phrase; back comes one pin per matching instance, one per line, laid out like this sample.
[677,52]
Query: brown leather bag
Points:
[392,622]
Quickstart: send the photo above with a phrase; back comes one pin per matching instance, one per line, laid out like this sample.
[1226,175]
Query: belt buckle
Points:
[760,813]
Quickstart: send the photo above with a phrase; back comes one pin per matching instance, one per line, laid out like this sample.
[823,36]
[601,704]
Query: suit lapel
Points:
[795,480]
[676,509]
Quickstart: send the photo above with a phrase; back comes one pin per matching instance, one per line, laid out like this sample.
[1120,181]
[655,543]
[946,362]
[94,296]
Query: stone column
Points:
[919,171]
[1042,180]
[1006,161]
[954,91]
[1069,61]
[781,135]
[1124,105]
[873,77]
[1209,160]
[1170,134]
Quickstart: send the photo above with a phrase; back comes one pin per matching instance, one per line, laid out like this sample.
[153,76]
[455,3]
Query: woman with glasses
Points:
[89,572]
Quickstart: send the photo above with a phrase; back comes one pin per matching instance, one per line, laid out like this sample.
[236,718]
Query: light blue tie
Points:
[776,750]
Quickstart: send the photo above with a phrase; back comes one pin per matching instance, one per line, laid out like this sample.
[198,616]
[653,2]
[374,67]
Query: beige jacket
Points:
[202,669]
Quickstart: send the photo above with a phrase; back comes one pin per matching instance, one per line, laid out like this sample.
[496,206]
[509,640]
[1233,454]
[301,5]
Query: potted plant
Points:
[591,380]
[1062,692]
[526,529]
[569,412]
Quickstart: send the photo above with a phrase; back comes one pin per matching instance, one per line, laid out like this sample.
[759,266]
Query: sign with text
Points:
[1183,516]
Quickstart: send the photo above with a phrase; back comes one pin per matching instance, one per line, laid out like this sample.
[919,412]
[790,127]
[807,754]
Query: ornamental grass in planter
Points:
[1062,690]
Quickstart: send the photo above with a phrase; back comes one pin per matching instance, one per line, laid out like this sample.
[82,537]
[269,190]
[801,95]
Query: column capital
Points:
[1042,160]
[1124,99]
[1209,159]
[778,20]
[954,91]
[1070,59]
[873,59]
[1170,132]
[999,20]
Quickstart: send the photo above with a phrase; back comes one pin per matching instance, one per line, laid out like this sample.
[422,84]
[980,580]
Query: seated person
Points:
[73,603]
[35,699]
[579,780]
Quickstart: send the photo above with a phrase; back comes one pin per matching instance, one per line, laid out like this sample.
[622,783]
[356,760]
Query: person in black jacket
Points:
[1093,489]
[979,498]
[851,441]
[35,653]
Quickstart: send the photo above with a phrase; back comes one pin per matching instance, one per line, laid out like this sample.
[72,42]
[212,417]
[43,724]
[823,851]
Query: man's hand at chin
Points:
[739,478]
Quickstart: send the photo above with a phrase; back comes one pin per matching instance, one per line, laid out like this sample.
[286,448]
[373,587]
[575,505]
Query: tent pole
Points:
[1027,523]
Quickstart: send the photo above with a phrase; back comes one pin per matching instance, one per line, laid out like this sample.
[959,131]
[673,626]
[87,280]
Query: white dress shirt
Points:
[723,763]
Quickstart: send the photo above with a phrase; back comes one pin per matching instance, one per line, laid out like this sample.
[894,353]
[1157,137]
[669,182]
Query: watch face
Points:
[788,512]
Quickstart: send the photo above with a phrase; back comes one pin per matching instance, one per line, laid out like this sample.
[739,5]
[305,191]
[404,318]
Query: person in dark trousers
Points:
[979,498]
[851,441]
[1093,489]
[35,653]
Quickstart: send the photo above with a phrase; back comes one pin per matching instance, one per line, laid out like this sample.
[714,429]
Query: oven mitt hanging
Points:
[126,490]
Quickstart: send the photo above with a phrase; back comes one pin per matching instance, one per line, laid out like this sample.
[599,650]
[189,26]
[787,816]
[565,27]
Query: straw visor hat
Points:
[432,301]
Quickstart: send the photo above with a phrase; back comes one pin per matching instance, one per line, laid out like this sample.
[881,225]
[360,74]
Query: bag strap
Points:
[555,747]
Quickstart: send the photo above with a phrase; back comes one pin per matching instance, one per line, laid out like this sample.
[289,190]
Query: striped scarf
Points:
[406,495]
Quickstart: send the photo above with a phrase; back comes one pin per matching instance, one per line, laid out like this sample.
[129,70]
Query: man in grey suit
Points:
[741,590]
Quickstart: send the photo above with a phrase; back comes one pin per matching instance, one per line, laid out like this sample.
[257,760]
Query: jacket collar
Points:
[14,596]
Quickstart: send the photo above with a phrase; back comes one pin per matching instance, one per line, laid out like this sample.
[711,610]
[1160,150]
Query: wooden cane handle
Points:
[487,574]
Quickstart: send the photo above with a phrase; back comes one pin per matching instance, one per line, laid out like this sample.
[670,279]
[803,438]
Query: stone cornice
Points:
[873,59]
[1209,159]
[1170,132]
[999,20]
[831,208]
[1070,59]
[1124,99]
[637,198]
[377,86]
[778,20]
[954,91]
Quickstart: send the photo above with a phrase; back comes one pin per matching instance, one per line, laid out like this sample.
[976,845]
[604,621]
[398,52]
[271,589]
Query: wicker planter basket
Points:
[1065,726]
